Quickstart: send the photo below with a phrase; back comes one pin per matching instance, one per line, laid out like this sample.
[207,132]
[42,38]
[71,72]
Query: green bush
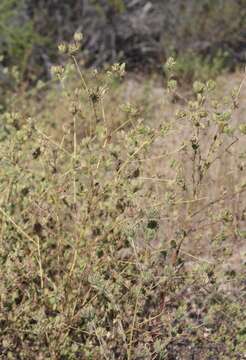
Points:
[17,35]
[191,66]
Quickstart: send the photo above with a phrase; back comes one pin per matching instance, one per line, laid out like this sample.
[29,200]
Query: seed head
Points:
[73,48]
[57,70]
[62,47]
[78,37]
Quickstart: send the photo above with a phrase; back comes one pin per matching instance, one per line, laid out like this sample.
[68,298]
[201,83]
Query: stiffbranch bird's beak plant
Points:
[98,230]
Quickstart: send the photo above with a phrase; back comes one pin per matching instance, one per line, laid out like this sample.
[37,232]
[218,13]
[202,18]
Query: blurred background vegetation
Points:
[142,33]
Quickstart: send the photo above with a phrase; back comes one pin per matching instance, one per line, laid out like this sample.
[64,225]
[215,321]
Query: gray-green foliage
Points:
[80,274]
